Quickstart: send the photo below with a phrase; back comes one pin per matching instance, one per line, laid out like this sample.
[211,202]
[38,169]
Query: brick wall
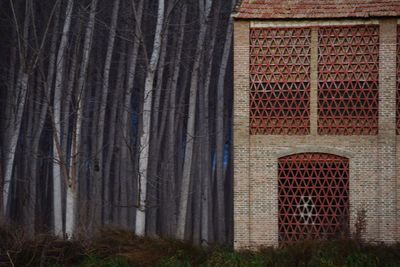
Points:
[241,133]
[374,172]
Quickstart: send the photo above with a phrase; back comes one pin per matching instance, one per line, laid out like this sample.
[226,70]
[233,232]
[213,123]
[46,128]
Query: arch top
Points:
[314,149]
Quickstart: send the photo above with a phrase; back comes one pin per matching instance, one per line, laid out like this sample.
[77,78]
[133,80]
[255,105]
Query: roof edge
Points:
[236,16]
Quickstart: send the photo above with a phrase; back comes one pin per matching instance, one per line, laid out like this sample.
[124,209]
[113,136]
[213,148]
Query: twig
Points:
[9,257]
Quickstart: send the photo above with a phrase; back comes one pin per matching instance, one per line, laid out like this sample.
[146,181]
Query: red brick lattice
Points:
[348,75]
[313,197]
[280,81]
[398,80]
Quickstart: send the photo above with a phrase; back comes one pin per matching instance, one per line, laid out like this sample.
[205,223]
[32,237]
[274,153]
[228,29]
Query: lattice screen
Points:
[313,197]
[348,74]
[398,79]
[280,80]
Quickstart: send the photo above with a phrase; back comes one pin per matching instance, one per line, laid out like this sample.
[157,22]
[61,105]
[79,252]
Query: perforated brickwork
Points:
[348,75]
[313,196]
[280,80]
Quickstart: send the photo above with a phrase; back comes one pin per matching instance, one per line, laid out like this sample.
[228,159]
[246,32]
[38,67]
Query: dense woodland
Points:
[117,113]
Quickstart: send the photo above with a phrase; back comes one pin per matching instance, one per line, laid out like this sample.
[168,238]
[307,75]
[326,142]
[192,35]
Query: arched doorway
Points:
[313,196]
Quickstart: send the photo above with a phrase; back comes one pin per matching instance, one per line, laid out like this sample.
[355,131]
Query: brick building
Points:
[316,120]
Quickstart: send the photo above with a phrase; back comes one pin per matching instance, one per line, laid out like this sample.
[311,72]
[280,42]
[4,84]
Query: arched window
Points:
[313,196]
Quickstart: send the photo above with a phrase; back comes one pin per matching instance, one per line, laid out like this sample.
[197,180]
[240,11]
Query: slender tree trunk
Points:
[179,143]
[72,186]
[67,101]
[29,183]
[98,175]
[126,107]
[94,180]
[171,136]
[13,140]
[60,65]
[190,131]
[155,139]
[206,192]
[146,122]
[220,140]
[111,136]
[196,196]
[39,123]
[18,107]
[8,114]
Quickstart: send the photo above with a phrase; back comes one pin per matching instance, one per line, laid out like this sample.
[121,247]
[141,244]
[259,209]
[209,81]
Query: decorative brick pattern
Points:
[348,75]
[313,196]
[280,80]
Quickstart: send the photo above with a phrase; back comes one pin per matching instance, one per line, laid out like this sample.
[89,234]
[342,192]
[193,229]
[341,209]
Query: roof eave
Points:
[238,16]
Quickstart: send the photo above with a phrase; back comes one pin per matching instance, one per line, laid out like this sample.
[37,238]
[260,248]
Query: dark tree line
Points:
[117,113]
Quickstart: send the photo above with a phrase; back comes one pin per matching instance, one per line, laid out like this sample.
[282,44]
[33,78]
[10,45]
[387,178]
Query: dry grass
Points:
[16,249]
[115,247]
[43,250]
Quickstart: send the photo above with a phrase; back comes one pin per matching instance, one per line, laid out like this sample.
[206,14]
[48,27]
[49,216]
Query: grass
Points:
[119,248]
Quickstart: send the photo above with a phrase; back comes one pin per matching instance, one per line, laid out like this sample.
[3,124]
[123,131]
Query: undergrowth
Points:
[119,248]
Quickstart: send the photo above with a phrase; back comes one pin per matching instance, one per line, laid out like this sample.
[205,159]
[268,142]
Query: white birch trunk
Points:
[157,129]
[145,134]
[60,64]
[22,85]
[72,186]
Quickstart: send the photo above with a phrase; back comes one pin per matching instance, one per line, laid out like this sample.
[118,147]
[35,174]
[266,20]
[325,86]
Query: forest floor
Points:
[119,248]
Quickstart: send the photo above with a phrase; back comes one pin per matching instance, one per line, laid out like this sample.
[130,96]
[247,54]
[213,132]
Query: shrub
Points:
[120,248]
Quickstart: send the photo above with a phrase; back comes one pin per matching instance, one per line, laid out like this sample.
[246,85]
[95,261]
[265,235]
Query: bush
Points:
[115,247]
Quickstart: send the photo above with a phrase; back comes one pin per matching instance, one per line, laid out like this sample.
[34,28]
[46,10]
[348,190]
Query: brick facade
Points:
[374,172]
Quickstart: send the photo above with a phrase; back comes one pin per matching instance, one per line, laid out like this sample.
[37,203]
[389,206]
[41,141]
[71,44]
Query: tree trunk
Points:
[99,173]
[72,186]
[157,127]
[206,192]
[112,136]
[22,86]
[56,115]
[126,107]
[18,107]
[146,122]
[220,140]
[190,131]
